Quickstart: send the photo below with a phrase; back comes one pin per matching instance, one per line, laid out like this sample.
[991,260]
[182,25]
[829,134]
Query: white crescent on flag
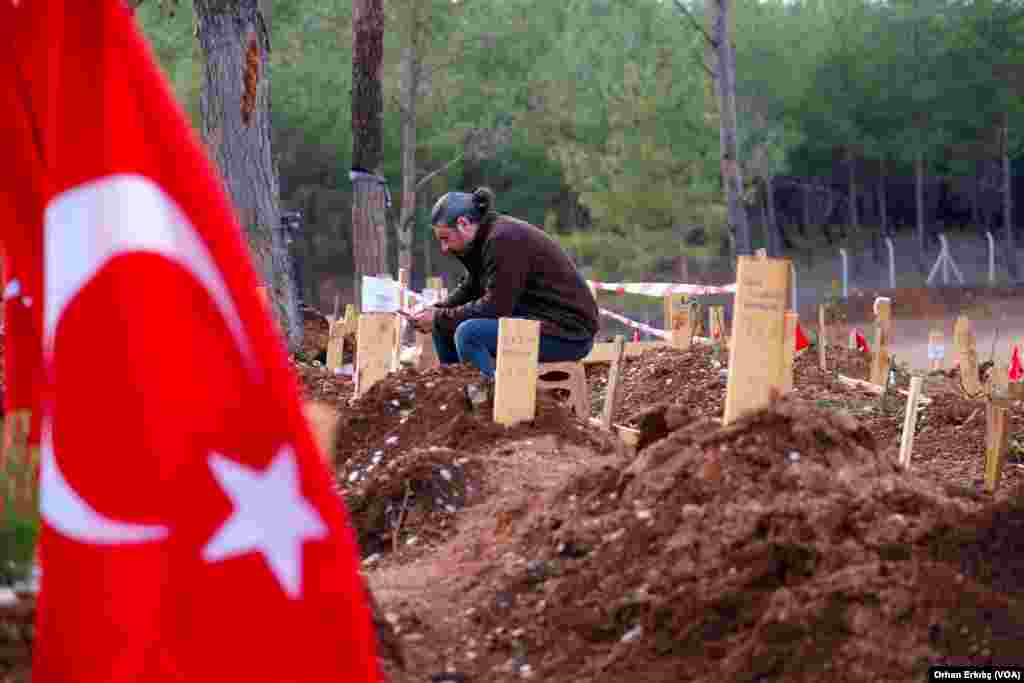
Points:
[84,229]
[89,225]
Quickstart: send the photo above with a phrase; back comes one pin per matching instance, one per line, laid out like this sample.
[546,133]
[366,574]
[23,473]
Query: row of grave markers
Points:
[997,392]
[761,354]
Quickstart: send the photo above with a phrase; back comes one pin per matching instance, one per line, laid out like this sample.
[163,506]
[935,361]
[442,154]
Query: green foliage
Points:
[595,119]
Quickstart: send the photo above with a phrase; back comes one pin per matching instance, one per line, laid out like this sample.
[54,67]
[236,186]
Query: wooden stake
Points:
[788,351]
[515,382]
[682,320]
[611,395]
[336,345]
[755,353]
[910,421]
[375,345]
[964,340]
[880,360]
[403,304]
[936,349]
[997,438]
[822,339]
[351,319]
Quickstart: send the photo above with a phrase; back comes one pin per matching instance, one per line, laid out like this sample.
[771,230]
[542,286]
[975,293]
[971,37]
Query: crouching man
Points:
[513,270]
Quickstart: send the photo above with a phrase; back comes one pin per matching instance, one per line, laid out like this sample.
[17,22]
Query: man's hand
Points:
[424,320]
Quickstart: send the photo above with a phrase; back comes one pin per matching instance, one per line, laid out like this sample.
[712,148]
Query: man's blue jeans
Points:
[476,342]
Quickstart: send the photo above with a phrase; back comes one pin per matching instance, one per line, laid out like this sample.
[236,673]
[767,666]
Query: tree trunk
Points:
[854,216]
[1011,243]
[235,112]
[773,225]
[369,209]
[725,80]
[975,198]
[409,87]
[883,210]
[807,210]
[919,203]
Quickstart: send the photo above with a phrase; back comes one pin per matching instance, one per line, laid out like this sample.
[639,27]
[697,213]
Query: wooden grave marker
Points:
[936,349]
[822,339]
[755,351]
[612,389]
[997,437]
[515,381]
[880,360]
[967,353]
[788,351]
[910,421]
[375,346]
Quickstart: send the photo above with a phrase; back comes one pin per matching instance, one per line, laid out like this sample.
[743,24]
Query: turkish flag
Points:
[190,530]
[1016,369]
[801,339]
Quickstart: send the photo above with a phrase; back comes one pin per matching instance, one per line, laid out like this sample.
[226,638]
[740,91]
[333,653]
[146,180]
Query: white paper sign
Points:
[380,295]
[936,351]
[430,296]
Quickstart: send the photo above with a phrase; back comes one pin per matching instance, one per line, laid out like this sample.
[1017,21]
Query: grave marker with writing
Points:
[374,349]
[515,382]
[880,360]
[756,347]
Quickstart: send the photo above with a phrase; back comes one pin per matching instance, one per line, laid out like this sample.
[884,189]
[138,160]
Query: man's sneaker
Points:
[480,394]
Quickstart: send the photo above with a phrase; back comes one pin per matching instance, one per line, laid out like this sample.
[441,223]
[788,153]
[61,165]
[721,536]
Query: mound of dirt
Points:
[412,444]
[663,375]
[783,547]
[417,492]
[319,384]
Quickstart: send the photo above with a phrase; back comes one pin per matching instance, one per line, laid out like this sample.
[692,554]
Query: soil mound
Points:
[663,375]
[411,444]
[783,547]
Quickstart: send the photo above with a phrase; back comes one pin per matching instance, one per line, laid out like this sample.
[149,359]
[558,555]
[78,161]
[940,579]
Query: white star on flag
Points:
[270,516]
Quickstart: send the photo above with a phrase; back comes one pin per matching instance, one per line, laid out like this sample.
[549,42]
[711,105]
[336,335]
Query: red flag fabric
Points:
[1016,369]
[190,529]
[862,342]
[801,339]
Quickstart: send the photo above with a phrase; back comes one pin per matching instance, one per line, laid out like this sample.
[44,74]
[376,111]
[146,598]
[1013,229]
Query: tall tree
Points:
[369,190]
[235,123]
[725,81]
[723,73]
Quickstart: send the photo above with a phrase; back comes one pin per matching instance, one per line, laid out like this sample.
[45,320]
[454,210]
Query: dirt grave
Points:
[411,455]
[784,547]
[663,375]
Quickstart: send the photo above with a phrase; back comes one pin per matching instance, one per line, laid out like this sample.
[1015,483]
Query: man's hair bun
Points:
[483,200]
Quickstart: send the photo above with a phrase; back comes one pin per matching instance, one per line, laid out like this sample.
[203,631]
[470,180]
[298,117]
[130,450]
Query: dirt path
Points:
[427,598]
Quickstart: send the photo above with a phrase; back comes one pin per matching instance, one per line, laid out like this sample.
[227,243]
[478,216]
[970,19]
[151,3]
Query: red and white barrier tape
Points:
[661,334]
[661,288]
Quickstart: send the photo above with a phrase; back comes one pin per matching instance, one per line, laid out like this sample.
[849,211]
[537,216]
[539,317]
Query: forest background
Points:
[598,120]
